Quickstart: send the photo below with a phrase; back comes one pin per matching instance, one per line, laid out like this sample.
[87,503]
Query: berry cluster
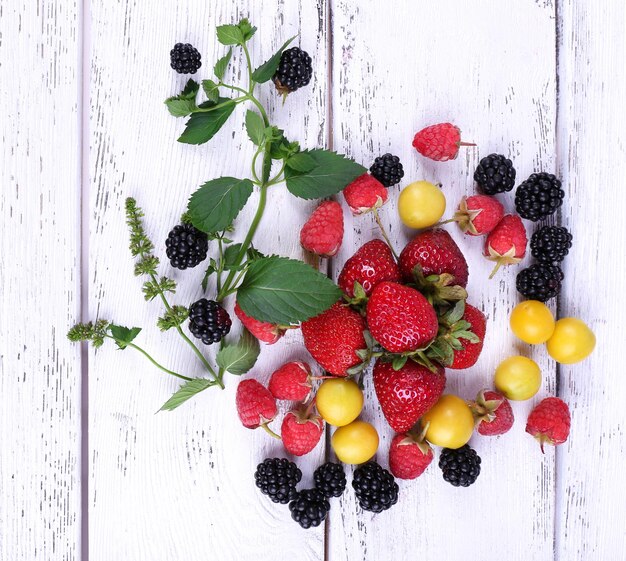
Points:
[278,478]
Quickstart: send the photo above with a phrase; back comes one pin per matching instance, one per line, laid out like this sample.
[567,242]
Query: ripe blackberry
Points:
[387,169]
[277,478]
[185,59]
[294,70]
[375,487]
[460,467]
[186,246]
[330,479]
[495,174]
[208,321]
[309,508]
[539,196]
[550,244]
[540,281]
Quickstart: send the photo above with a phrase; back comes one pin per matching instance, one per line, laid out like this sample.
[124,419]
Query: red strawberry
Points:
[468,355]
[400,318]
[256,406]
[479,214]
[439,142]
[506,243]
[371,264]
[262,330]
[492,412]
[365,194]
[406,394]
[323,231]
[549,422]
[334,337]
[437,253]
[409,456]
[292,381]
[301,431]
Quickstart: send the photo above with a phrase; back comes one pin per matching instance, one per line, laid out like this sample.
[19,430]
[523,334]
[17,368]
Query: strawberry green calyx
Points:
[372,350]
[438,289]
[507,258]
[452,328]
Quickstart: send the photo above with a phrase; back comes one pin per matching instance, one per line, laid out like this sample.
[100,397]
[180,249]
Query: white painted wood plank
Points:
[180,485]
[489,67]
[40,369]
[591,478]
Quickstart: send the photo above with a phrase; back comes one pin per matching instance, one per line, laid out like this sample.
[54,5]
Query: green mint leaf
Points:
[332,172]
[229,35]
[187,391]
[222,64]
[184,103]
[123,335]
[285,291]
[211,90]
[202,127]
[246,28]
[230,255]
[255,127]
[180,107]
[264,72]
[301,162]
[217,203]
[241,357]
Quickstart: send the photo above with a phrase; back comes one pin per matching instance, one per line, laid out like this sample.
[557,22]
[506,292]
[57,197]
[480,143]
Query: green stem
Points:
[149,357]
[182,333]
[246,243]
[234,88]
[251,82]
[384,233]
[270,432]
[214,107]
[277,178]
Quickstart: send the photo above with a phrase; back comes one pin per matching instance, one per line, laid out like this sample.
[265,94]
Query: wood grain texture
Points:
[591,478]
[396,71]
[180,485]
[39,281]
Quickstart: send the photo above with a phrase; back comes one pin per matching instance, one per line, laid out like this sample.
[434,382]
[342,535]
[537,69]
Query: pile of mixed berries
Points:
[408,314]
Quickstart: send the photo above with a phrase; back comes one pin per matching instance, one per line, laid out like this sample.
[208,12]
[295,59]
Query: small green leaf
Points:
[264,72]
[222,64]
[255,127]
[247,29]
[209,271]
[301,162]
[187,391]
[184,103]
[123,335]
[211,90]
[331,173]
[229,35]
[202,127]
[230,255]
[253,253]
[285,291]
[240,357]
[456,313]
[217,203]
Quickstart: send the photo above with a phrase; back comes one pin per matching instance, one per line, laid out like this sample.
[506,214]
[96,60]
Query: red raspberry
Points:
[549,422]
[365,194]
[323,232]
[479,214]
[292,381]
[256,406]
[301,431]
[409,456]
[439,142]
[493,413]
[506,243]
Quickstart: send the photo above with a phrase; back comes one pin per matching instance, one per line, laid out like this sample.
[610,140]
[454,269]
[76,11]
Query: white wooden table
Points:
[88,471]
